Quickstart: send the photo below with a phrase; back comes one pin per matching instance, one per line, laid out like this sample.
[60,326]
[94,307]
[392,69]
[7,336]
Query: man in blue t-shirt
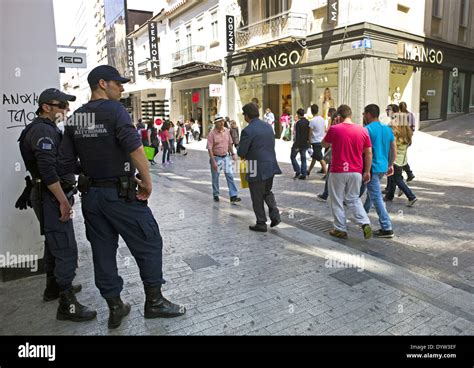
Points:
[384,152]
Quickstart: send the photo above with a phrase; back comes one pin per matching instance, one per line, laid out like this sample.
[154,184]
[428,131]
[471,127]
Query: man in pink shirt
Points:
[221,154]
[350,165]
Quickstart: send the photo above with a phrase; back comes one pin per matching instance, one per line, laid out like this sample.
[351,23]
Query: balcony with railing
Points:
[196,53]
[277,29]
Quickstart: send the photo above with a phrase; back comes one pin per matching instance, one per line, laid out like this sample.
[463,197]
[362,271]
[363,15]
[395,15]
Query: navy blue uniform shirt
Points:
[39,145]
[102,135]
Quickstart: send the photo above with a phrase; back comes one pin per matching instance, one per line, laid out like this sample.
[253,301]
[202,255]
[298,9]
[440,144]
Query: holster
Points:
[69,189]
[83,183]
[127,188]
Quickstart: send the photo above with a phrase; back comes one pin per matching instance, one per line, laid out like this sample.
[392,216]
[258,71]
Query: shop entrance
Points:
[278,98]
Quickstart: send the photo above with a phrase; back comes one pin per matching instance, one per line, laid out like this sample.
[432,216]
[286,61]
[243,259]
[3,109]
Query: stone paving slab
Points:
[264,284]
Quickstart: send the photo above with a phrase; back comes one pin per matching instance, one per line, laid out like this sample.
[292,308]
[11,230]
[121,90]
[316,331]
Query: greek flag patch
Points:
[47,146]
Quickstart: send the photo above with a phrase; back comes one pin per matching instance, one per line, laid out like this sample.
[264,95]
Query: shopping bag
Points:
[243,174]
[149,152]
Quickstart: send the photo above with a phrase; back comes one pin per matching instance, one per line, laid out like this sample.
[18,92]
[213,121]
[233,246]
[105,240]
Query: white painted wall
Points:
[28,64]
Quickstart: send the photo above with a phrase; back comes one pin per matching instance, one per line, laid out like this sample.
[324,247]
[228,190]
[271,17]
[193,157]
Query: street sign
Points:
[366,43]
[357,44]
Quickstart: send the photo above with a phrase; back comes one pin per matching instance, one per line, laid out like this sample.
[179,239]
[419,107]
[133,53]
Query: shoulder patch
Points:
[45,143]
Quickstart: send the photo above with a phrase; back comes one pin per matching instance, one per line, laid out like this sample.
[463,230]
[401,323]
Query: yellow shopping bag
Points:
[243,174]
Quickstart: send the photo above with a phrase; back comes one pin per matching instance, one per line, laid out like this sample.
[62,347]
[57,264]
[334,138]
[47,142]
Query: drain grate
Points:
[199,261]
[350,276]
[315,223]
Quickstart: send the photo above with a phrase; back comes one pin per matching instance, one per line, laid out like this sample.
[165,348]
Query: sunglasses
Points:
[61,105]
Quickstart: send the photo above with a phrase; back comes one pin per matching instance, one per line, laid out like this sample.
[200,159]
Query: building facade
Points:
[290,55]
[191,82]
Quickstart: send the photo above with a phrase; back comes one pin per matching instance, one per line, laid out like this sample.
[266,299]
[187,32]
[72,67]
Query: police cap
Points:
[107,73]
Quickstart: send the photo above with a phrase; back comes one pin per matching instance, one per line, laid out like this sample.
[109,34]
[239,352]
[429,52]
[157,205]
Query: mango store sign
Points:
[281,60]
[420,53]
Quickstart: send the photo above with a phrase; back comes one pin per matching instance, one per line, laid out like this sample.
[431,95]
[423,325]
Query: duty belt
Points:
[113,183]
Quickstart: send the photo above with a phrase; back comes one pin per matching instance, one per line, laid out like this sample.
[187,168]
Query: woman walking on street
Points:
[410,119]
[180,138]
[403,135]
[164,136]
[153,140]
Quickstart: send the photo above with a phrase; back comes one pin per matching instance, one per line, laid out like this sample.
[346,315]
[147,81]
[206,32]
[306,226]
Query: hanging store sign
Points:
[230,33]
[72,60]
[333,11]
[130,60]
[276,61]
[153,37]
[414,52]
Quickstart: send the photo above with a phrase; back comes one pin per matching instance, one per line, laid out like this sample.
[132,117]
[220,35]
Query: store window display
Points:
[430,94]
[317,85]
[250,89]
[327,102]
[397,96]
[471,104]
[456,92]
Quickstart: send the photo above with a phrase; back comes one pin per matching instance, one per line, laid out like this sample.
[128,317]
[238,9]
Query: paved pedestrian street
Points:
[293,280]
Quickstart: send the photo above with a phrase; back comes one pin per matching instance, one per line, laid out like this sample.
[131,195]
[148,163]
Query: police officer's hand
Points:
[66,211]
[144,190]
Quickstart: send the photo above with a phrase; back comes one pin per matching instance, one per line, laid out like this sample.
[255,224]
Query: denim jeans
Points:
[397,179]
[296,167]
[374,196]
[166,152]
[226,164]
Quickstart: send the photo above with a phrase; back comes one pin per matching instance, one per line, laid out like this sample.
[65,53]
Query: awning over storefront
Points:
[192,71]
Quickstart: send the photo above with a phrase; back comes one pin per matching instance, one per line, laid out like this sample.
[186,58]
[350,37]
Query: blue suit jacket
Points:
[257,144]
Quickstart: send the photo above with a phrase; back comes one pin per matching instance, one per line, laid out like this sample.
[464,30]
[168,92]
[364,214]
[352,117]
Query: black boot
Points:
[118,309]
[157,306]
[52,289]
[71,310]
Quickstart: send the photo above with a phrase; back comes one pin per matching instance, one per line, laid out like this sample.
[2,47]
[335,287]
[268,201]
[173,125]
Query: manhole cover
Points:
[200,261]
[350,276]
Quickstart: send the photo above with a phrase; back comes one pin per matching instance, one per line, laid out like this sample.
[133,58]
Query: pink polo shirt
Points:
[219,142]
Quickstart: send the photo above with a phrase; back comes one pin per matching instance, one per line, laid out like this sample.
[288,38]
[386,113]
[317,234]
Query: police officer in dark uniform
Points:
[52,199]
[110,151]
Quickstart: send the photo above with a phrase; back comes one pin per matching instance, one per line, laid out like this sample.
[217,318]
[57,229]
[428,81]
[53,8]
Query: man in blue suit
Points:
[257,146]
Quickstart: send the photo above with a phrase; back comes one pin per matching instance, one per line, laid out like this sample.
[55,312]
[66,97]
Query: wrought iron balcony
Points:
[277,28]
[196,53]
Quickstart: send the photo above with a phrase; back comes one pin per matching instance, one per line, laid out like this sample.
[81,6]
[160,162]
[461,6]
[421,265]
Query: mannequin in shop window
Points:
[327,103]
[456,101]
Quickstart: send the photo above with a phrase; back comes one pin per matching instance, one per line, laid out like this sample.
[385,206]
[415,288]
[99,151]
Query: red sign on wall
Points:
[195,97]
